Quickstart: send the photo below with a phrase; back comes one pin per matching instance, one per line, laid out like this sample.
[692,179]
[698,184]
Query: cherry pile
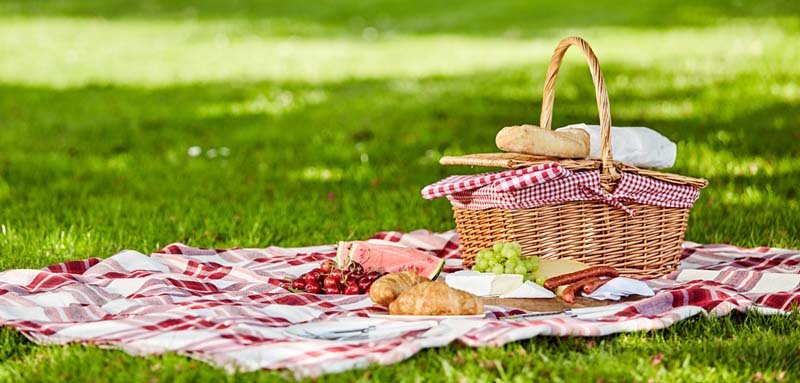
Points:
[330,279]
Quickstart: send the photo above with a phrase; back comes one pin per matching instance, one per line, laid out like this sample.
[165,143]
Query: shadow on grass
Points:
[318,151]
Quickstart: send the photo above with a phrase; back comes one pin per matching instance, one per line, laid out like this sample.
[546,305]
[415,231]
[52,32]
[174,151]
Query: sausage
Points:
[592,287]
[594,271]
[568,295]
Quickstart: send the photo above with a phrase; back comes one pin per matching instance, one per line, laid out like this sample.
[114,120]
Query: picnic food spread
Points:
[408,293]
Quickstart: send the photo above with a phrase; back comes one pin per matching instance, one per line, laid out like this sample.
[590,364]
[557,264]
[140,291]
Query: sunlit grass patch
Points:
[164,52]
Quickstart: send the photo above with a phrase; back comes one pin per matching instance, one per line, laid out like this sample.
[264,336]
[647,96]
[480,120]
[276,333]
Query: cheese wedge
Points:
[551,267]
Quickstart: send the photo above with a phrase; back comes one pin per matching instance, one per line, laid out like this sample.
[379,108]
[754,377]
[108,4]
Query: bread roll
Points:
[531,139]
[388,287]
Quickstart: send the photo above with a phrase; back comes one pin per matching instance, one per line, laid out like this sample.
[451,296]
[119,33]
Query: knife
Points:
[598,311]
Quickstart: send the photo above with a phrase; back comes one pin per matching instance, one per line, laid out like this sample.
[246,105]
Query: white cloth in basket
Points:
[638,146]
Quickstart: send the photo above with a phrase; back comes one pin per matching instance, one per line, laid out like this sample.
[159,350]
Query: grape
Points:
[509,252]
[512,262]
[540,280]
[527,263]
[534,263]
[498,269]
[527,276]
[505,258]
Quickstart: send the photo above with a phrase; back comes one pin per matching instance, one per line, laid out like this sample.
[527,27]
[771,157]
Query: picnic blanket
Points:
[224,306]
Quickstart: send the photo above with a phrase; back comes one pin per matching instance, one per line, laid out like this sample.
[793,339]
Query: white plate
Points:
[382,329]
[425,317]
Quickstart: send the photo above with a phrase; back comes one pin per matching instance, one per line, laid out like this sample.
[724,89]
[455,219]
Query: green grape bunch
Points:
[506,258]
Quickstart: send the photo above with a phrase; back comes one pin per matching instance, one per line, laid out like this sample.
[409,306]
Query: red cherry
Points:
[327,265]
[330,281]
[373,275]
[355,277]
[333,290]
[299,284]
[312,275]
[364,284]
[352,289]
[355,268]
[313,287]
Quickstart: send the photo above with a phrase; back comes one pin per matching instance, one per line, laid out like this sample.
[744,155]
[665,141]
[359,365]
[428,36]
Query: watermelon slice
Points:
[389,259]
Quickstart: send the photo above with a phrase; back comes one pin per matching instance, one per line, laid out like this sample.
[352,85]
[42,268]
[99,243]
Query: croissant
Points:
[435,298]
[388,287]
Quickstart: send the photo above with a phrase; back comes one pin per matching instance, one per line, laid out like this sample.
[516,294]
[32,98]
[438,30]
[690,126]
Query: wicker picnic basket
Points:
[646,244]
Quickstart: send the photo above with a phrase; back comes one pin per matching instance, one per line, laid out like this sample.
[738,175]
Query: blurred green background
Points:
[252,123]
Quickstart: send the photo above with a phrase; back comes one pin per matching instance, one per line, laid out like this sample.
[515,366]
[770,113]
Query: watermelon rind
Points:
[342,254]
[438,271]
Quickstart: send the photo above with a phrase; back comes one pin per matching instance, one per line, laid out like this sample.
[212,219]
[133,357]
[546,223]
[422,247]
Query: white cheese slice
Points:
[529,290]
[484,284]
[505,283]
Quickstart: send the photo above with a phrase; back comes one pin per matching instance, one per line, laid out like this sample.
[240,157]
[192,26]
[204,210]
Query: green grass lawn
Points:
[320,122]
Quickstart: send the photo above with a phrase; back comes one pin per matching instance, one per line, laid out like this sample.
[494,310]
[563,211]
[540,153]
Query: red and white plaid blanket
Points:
[224,307]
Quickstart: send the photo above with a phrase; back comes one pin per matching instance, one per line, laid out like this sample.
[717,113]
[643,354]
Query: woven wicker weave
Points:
[647,244]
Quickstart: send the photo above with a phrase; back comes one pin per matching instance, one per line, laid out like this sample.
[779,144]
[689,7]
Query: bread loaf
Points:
[531,139]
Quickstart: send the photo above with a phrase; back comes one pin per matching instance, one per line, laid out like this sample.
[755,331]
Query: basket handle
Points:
[608,172]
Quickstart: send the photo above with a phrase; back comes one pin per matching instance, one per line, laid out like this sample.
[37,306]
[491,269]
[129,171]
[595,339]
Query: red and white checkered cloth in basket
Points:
[506,180]
[561,185]
[222,306]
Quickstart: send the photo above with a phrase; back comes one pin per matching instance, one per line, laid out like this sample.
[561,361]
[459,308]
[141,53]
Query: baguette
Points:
[531,139]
